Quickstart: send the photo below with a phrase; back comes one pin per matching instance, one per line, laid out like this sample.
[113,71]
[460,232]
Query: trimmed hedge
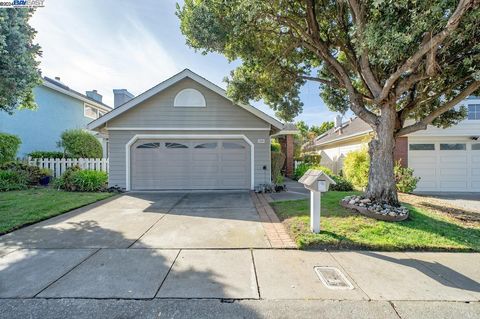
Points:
[48,154]
[81,144]
[9,145]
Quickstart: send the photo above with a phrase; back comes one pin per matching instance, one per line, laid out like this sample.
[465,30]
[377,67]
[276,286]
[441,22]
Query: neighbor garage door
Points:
[449,166]
[190,164]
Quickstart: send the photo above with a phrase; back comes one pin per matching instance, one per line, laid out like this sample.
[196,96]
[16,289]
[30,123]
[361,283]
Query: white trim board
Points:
[345,138]
[187,129]
[137,137]
[76,96]
[171,81]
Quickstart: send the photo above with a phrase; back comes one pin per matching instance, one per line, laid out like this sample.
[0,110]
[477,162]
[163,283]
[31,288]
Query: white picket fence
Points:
[59,165]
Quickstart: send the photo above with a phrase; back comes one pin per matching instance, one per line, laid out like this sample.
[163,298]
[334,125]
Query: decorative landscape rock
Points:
[371,209]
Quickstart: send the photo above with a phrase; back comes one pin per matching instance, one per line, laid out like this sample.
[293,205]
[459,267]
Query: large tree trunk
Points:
[381,178]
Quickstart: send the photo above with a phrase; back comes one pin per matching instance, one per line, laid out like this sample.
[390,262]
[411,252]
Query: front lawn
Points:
[342,229]
[20,208]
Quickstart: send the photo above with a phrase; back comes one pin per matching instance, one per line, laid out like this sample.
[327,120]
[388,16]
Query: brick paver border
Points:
[276,233]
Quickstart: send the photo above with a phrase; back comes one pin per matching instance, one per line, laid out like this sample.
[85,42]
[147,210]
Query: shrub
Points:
[90,180]
[31,173]
[275,147]
[46,172]
[278,159]
[313,159]
[66,180]
[79,143]
[76,180]
[48,154]
[9,145]
[342,184]
[406,182]
[12,180]
[302,168]
[355,168]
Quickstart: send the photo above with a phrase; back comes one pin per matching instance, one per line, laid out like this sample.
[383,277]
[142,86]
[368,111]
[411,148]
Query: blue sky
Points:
[113,44]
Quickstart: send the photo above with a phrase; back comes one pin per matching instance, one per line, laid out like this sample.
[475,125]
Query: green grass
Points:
[342,229]
[20,208]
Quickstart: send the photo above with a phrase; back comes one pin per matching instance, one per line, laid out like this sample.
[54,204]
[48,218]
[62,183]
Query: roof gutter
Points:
[344,138]
[76,96]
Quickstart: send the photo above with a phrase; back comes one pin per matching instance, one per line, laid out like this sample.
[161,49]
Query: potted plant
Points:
[46,176]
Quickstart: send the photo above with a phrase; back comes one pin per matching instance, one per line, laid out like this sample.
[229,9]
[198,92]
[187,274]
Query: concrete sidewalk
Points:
[262,283]
[236,274]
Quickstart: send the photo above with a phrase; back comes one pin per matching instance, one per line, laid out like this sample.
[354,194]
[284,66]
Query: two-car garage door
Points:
[190,164]
[446,166]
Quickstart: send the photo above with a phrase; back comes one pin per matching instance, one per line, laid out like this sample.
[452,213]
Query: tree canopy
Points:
[398,65]
[310,132]
[19,72]
[422,57]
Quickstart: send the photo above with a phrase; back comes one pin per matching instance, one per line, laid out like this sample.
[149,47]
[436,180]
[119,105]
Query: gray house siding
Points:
[219,117]
[158,111]
[118,140]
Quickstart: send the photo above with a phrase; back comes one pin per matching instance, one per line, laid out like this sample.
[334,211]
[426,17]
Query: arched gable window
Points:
[189,98]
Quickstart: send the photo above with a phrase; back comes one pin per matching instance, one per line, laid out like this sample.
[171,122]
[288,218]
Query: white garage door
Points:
[190,164]
[449,166]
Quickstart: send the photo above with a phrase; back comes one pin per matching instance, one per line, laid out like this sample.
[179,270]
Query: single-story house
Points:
[185,133]
[59,108]
[446,160]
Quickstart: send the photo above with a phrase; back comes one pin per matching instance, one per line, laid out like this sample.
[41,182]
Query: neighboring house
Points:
[59,108]
[444,159]
[185,133]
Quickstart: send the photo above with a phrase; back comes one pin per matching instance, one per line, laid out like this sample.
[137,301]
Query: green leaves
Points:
[9,145]
[278,43]
[19,72]
[80,144]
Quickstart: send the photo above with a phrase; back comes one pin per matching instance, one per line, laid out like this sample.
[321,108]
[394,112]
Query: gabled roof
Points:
[288,129]
[350,129]
[171,81]
[62,88]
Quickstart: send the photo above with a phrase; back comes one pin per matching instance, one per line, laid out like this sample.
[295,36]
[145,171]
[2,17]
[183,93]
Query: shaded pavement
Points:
[115,259]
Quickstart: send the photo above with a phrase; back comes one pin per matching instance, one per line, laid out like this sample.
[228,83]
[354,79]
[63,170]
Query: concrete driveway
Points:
[467,201]
[150,220]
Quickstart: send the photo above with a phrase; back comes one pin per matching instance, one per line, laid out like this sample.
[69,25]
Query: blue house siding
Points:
[40,129]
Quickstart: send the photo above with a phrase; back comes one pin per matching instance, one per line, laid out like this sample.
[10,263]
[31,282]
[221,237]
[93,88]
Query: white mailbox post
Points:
[317,182]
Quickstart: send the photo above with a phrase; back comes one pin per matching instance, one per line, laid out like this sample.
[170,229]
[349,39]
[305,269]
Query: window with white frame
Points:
[189,98]
[90,111]
[474,111]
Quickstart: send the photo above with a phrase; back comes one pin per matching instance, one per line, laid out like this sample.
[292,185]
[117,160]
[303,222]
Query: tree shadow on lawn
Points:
[467,238]
[457,213]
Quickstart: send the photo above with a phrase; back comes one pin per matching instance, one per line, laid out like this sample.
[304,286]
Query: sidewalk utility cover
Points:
[333,278]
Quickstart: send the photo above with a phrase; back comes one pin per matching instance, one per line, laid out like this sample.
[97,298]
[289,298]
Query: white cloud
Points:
[112,44]
[87,54]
